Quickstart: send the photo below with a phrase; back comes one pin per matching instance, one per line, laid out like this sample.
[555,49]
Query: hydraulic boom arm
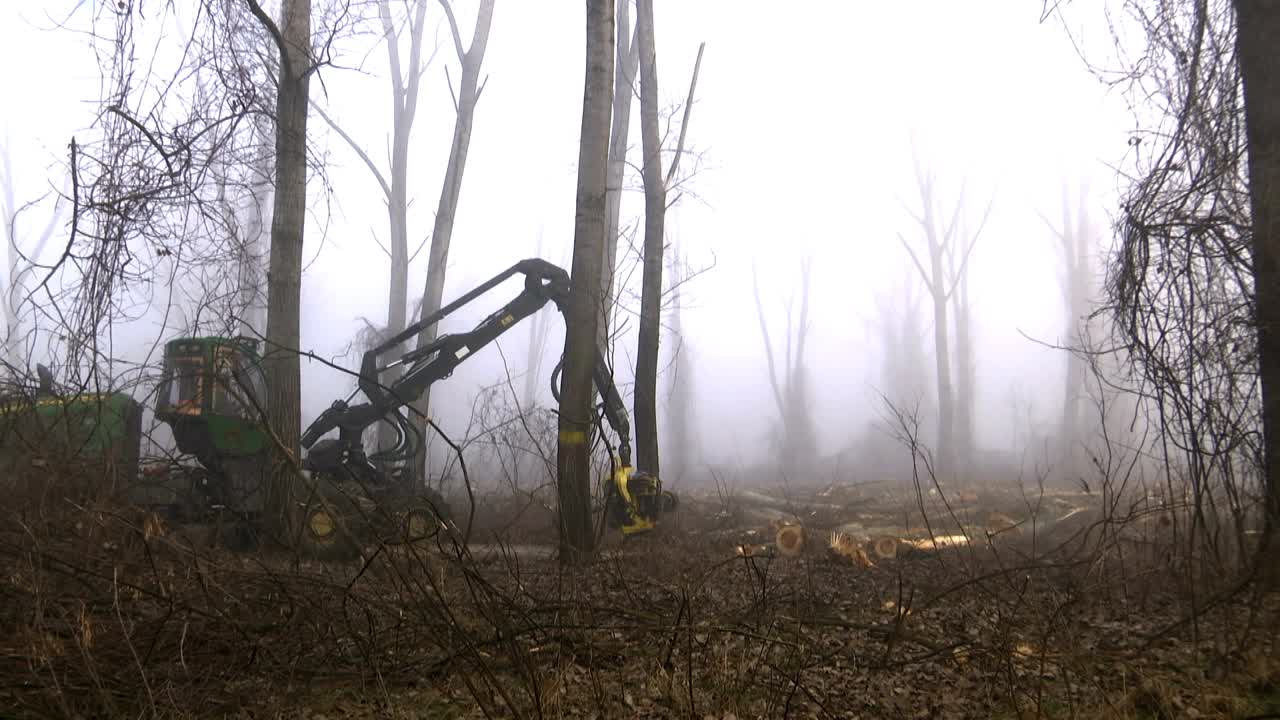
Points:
[543,283]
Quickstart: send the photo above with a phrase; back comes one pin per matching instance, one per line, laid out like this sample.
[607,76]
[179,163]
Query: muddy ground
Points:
[967,604]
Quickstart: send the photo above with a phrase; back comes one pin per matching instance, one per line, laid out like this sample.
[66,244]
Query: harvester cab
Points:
[212,394]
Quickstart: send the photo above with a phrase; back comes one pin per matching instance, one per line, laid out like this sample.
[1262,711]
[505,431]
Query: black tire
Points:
[326,524]
[669,502]
[423,517]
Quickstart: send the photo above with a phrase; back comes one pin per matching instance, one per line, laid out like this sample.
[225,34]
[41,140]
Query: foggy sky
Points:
[803,123]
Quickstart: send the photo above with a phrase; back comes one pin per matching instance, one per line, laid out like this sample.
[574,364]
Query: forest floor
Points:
[994,604]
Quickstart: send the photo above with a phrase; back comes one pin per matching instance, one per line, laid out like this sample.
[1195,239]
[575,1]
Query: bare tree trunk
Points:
[1074,242]
[942,359]
[404,95]
[1258,26]
[655,211]
[947,268]
[582,315]
[797,443]
[405,82]
[965,376]
[680,389]
[802,441]
[624,75]
[288,222]
[469,89]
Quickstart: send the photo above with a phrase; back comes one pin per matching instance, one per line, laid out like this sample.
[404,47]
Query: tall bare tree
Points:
[681,426]
[582,316]
[656,188]
[940,235]
[628,55]
[406,78]
[1258,26]
[288,223]
[904,373]
[655,211]
[796,438]
[966,363]
[1074,242]
[465,99]
[1190,282]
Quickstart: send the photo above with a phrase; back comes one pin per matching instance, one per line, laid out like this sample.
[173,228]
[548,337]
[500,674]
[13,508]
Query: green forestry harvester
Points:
[214,397]
[47,431]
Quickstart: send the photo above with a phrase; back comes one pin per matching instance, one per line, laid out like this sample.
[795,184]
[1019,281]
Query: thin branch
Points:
[964,262]
[924,276]
[768,346]
[382,181]
[684,123]
[453,28]
[271,27]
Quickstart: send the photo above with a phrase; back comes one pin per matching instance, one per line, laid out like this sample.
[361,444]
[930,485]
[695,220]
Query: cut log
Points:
[885,547]
[939,542]
[847,549]
[790,540]
[751,497]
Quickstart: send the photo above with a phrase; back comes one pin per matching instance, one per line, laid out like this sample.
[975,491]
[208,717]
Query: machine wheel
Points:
[325,526]
[669,501]
[422,517]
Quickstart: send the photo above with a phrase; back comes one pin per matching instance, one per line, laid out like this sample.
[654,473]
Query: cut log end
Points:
[790,540]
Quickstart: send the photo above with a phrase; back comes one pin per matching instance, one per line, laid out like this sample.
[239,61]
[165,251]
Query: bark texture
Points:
[288,223]
[627,57]
[582,314]
[655,211]
[1258,23]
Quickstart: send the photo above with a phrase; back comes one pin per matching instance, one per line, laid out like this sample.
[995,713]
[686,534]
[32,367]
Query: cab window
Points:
[237,382]
[183,391]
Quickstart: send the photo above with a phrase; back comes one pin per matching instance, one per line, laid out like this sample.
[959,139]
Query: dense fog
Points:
[803,145]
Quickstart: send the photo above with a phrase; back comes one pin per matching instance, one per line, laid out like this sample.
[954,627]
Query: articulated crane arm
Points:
[635,498]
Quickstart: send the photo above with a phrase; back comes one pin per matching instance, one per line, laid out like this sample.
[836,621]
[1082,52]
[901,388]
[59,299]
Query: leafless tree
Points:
[288,224]
[796,440]
[966,363]
[942,236]
[406,79]
[904,376]
[1075,242]
[681,425]
[21,254]
[655,210]
[582,316]
[464,99]
[1259,26]
[151,184]
[656,188]
[1191,285]
[628,55]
